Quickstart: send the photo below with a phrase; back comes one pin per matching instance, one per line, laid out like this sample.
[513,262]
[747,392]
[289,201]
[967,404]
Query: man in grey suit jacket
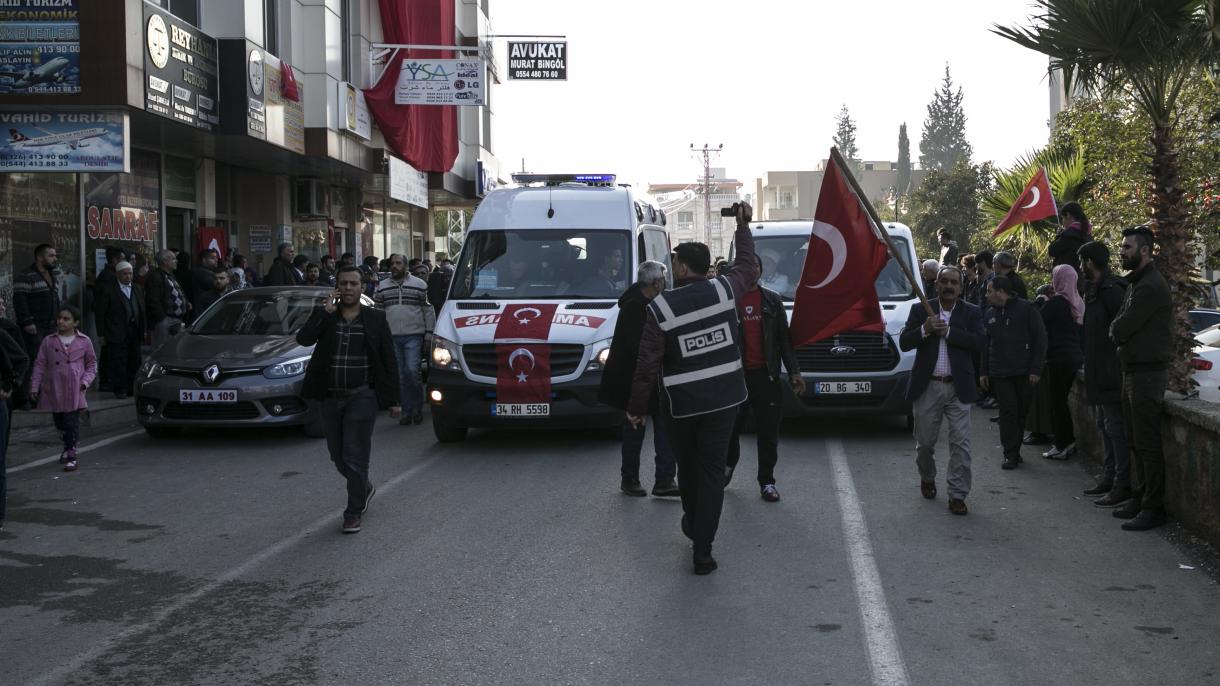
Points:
[942,385]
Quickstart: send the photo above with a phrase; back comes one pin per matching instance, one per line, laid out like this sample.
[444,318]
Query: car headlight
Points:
[601,355]
[284,370]
[149,370]
[444,354]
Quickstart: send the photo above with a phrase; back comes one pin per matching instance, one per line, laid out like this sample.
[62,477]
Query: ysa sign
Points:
[441,82]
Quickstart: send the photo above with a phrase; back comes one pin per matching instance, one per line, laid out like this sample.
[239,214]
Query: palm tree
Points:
[1147,49]
[1067,173]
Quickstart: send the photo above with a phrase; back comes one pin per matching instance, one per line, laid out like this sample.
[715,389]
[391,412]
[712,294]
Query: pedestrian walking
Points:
[63,370]
[166,302]
[942,383]
[691,341]
[615,389]
[438,285]
[1062,314]
[36,300]
[765,343]
[404,298]
[203,282]
[13,365]
[1103,375]
[282,272]
[1143,331]
[1012,361]
[104,278]
[352,373]
[120,325]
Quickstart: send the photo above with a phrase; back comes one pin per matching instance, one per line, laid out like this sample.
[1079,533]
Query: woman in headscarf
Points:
[1063,315]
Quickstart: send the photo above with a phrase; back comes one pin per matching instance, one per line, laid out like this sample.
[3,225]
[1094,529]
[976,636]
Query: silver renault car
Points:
[238,364]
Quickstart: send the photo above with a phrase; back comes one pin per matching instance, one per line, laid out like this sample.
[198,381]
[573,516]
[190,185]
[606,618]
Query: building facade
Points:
[786,195]
[237,124]
[685,210]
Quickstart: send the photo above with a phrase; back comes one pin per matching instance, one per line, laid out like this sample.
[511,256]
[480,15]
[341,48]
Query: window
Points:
[186,10]
[785,198]
[271,27]
[526,264]
[345,37]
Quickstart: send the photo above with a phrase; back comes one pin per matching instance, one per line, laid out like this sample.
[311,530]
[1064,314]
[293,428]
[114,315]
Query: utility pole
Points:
[705,186]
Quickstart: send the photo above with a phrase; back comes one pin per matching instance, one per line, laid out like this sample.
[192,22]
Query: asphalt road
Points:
[216,558]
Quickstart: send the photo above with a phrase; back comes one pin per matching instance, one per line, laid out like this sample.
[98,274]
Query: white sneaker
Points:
[1057,454]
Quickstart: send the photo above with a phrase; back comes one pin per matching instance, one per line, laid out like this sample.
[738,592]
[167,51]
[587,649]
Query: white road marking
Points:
[884,654]
[329,521]
[79,451]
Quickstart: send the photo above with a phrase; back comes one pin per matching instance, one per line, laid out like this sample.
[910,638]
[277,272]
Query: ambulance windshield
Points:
[783,259]
[551,263]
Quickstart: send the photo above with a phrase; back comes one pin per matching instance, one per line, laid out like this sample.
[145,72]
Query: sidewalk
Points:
[33,434]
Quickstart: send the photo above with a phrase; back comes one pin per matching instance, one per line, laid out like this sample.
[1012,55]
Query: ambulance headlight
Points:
[444,354]
[601,355]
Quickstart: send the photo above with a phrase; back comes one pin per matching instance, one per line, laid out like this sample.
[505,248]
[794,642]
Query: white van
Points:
[569,240]
[855,371]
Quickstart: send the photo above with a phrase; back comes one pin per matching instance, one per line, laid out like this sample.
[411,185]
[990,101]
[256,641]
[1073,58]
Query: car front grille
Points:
[197,374]
[481,358]
[230,411]
[854,351]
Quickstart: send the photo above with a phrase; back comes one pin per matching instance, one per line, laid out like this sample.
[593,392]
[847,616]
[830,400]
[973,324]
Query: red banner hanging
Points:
[524,367]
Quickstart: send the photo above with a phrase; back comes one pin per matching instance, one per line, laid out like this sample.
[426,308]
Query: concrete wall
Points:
[1190,432]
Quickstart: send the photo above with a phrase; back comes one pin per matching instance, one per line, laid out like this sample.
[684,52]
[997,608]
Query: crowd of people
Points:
[989,343]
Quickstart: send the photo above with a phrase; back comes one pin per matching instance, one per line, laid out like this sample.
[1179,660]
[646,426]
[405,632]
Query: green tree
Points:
[904,162]
[944,141]
[845,136]
[1147,50]
[950,199]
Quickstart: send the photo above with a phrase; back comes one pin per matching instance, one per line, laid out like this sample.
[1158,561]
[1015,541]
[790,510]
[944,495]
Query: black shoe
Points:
[686,529]
[1102,488]
[417,418]
[1128,511]
[704,562]
[1010,463]
[368,498]
[995,418]
[728,475]
[1145,520]
[351,524]
[119,395]
[1116,497]
[1036,438]
[633,488]
[665,488]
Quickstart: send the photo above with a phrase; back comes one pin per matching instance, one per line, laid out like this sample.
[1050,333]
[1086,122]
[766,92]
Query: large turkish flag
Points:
[1036,202]
[523,373]
[837,292]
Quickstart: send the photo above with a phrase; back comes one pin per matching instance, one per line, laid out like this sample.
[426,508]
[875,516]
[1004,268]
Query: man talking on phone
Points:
[352,373]
[691,342]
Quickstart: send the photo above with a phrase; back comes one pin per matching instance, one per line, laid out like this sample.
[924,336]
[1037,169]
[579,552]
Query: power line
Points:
[706,153]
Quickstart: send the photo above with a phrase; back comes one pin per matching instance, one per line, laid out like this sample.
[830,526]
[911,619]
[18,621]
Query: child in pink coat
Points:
[64,368]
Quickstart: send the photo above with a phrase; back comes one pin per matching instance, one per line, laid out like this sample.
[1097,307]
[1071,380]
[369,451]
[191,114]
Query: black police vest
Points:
[701,369]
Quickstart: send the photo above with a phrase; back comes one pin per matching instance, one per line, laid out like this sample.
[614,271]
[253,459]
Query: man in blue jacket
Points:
[942,385]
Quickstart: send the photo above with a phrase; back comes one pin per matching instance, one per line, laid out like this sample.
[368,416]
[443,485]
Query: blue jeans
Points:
[409,350]
[68,424]
[4,427]
[633,444]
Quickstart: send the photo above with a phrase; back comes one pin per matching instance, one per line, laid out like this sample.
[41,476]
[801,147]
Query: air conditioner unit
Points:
[311,198]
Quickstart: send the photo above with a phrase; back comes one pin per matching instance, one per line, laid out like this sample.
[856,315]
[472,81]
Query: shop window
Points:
[34,209]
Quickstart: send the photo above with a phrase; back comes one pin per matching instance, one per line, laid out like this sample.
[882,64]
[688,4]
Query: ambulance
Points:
[525,332]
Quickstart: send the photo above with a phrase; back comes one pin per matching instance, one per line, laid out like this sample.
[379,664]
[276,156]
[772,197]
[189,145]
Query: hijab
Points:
[1063,280]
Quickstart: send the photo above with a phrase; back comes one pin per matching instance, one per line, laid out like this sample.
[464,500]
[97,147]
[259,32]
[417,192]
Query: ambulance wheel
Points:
[448,433]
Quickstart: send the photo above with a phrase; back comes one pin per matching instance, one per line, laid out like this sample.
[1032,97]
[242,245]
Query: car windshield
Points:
[270,314]
[783,259]
[537,263]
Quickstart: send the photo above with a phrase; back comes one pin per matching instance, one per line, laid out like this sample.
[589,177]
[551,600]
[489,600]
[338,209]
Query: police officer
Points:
[691,341]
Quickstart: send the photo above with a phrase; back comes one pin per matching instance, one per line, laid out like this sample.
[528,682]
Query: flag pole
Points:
[837,158]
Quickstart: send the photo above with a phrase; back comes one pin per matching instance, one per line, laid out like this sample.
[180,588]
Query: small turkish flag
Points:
[837,291]
[288,83]
[1036,202]
[523,371]
[213,238]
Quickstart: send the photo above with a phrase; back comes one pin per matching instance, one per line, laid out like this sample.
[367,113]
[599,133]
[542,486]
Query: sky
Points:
[765,78]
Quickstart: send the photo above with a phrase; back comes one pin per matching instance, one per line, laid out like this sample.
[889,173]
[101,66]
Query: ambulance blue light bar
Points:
[556,179]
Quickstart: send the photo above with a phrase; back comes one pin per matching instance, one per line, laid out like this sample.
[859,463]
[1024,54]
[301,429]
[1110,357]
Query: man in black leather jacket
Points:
[765,342]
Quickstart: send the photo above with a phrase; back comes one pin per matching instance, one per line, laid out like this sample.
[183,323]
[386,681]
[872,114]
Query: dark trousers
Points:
[4,426]
[121,360]
[633,445]
[766,400]
[701,444]
[1061,376]
[347,424]
[1143,398]
[68,425]
[1117,465]
[1012,395]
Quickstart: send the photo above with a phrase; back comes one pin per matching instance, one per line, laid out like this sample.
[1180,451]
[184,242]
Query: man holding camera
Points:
[691,340]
